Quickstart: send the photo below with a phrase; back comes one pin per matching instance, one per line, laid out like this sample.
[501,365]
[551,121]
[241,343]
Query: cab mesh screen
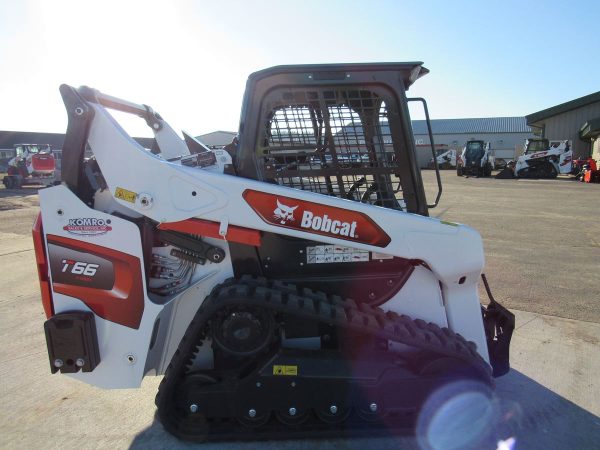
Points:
[332,141]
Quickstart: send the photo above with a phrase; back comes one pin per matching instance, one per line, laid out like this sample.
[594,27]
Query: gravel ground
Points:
[541,239]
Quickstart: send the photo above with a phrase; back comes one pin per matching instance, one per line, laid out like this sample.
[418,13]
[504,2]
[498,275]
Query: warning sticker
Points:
[285,370]
[124,194]
[327,254]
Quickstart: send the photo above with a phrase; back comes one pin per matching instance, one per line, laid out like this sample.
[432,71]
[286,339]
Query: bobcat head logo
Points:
[284,213]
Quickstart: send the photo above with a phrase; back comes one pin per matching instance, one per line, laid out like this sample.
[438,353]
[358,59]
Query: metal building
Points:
[564,121]
[590,132]
[506,135]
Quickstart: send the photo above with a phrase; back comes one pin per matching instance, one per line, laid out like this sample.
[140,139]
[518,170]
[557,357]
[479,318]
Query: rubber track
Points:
[313,305]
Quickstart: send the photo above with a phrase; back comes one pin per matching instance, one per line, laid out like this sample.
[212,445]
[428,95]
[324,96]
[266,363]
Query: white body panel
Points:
[420,298]
[116,341]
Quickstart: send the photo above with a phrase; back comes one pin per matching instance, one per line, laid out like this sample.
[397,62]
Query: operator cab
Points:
[32,149]
[536,145]
[474,151]
[340,130]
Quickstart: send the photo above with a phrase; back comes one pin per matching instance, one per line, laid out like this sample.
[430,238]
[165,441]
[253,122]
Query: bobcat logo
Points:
[284,213]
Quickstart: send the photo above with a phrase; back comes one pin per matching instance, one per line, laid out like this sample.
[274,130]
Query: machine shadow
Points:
[527,413]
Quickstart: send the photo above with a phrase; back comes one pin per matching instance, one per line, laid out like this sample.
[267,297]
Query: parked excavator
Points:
[280,296]
[32,164]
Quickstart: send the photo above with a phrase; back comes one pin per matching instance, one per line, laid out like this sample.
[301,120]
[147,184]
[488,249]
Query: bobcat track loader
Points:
[544,159]
[280,291]
[475,159]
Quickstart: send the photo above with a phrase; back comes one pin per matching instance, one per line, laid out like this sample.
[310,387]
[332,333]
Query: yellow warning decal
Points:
[126,195]
[285,370]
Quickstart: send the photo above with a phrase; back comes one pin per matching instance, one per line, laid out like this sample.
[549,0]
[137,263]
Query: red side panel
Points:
[109,282]
[42,265]
[316,218]
[43,161]
[211,229]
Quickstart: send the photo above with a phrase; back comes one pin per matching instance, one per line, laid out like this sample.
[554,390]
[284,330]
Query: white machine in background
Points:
[445,160]
[544,159]
[475,159]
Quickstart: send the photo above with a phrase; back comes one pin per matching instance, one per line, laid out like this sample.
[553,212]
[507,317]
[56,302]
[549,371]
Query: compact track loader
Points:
[475,159]
[281,291]
[544,159]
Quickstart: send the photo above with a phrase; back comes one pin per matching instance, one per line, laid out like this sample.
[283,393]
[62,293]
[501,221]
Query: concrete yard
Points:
[543,262]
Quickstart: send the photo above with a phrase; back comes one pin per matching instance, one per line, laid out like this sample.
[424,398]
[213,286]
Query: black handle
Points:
[435,164]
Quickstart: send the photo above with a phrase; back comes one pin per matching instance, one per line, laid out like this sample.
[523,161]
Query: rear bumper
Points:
[499,324]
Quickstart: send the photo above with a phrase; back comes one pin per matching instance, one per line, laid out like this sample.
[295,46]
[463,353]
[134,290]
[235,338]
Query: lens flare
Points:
[456,416]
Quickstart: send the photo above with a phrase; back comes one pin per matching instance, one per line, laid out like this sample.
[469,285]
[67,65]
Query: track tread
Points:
[286,298]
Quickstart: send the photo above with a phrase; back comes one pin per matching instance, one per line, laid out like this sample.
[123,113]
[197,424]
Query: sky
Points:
[190,60]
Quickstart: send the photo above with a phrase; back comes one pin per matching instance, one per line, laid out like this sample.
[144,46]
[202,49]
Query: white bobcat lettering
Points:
[318,223]
[284,213]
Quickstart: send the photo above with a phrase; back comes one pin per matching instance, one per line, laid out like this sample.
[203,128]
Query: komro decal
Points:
[316,218]
[88,226]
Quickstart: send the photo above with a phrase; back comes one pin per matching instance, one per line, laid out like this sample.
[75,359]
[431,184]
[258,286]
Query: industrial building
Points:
[565,121]
[590,132]
[506,135]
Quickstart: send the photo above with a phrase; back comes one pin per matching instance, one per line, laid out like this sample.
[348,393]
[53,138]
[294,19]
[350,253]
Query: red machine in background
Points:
[590,172]
[32,164]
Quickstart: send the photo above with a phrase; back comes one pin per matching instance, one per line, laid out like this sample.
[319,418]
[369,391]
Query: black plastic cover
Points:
[72,342]
[499,324]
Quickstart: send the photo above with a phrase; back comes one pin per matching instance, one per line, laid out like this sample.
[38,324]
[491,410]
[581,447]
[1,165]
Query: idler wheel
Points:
[187,415]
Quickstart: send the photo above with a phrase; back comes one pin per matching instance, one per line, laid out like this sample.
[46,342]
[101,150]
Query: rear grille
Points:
[332,141]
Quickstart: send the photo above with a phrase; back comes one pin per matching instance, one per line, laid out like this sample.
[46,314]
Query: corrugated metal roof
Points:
[563,108]
[471,126]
